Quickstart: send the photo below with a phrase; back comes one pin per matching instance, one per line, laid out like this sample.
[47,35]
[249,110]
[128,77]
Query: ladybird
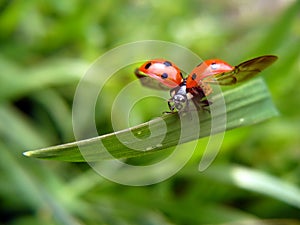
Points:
[163,74]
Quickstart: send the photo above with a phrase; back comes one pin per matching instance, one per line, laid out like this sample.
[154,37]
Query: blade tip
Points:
[27,153]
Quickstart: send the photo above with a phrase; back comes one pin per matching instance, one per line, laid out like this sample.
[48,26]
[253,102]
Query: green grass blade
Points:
[257,181]
[16,81]
[247,104]
[278,34]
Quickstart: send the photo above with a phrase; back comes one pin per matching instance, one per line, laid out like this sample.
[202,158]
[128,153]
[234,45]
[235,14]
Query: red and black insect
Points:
[163,74]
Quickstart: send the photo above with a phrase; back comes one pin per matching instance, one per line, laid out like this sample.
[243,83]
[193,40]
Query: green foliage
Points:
[45,48]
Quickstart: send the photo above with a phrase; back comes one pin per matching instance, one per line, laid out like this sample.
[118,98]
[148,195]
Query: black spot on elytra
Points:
[167,63]
[212,65]
[148,65]
[194,76]
[164,76]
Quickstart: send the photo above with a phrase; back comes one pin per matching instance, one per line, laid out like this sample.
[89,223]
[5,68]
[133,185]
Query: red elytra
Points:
[164,71]
[206,69]
[213,71]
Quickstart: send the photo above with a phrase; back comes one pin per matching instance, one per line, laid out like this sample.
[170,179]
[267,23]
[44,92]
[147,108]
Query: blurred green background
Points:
[45,48]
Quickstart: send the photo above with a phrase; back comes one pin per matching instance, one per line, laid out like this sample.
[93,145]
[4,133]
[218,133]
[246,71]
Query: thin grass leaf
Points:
[247,104]
[278,34]
[257,181]
[16,81]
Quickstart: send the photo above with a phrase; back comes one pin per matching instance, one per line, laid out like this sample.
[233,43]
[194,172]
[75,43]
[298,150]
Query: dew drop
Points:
[149,148]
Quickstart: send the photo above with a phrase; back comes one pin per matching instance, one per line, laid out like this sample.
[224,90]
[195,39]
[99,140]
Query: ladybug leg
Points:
[205,104]
[171,106]
[199,99]
[201,104]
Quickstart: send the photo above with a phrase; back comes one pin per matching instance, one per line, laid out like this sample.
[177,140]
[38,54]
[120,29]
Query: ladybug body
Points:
[163,74]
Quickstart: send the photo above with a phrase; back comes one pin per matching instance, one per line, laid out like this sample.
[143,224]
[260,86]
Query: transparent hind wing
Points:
[243,71]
